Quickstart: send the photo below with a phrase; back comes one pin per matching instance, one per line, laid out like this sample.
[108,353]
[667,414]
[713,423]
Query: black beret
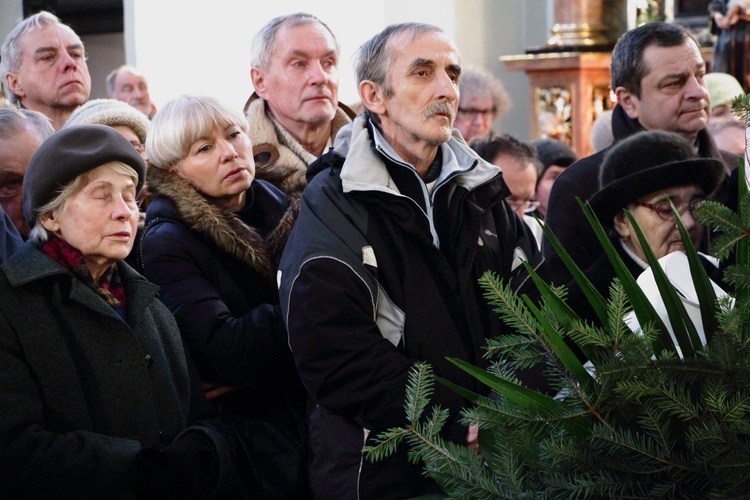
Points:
[648,162]
[67,154]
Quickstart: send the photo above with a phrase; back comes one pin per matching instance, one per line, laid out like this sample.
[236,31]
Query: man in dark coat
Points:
[381,269]
[657,73]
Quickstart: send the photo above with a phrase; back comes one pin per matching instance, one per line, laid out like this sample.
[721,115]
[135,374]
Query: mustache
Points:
[442,108]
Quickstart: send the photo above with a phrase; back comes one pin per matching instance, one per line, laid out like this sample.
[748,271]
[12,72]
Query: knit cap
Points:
[110,112]
[722,88]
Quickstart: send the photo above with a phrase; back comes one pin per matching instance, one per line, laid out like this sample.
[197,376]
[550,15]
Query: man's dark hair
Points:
[488,148]
[627,67]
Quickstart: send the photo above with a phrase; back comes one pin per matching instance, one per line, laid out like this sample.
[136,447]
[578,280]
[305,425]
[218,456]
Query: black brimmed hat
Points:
[648,162]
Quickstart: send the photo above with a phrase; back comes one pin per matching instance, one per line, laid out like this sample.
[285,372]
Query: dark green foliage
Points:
[638,421]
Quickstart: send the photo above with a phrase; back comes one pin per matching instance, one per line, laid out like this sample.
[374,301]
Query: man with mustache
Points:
[43,68]
[381,269]
[294,113]
[657,74]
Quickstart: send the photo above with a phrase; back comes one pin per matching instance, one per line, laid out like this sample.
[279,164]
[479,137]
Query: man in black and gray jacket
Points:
[381,268]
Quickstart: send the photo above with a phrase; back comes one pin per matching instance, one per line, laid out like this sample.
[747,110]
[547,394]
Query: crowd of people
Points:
[206,302]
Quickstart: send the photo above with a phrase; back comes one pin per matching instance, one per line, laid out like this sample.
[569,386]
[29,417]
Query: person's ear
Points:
[628,101]
[622,225]
[258,78]
[50,222]
[14,85]
[371,95]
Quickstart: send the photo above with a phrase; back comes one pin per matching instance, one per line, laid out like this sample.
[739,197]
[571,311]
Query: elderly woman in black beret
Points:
[641,174]
[212,242]
[96,394]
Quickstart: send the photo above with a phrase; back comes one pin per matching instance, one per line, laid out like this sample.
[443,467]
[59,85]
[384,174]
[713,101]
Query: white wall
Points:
[204,47]
[207,50]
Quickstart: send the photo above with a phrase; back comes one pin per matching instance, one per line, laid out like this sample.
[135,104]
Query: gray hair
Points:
[181,122]
[15,120]
[10,53]
[478,81]
[264,42]
[376,55]
[112,76]
[39,233]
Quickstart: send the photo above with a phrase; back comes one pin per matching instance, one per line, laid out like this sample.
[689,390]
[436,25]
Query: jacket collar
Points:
[363,170]
[623,126]
[30,264]
[224,229]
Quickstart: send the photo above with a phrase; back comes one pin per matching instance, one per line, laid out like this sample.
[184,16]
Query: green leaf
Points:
[642,307]
[683,328]
[743,245]
[562,311]
[703,287]
[527,399]
[596,300]
[563,353]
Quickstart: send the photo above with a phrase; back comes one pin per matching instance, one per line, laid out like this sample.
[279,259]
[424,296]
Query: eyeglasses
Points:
[664,211]
[471,113]
[526,205]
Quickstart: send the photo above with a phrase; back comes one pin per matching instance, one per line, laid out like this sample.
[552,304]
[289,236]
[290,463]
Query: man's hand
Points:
[472,439]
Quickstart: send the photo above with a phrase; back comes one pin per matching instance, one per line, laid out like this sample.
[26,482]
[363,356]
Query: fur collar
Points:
[223,228]
[279,158]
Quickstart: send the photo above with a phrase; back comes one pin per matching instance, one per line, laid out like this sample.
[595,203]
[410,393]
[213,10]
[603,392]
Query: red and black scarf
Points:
[109,288]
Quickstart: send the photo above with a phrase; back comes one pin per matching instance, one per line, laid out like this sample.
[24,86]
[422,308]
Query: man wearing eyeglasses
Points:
[657,74]
[21,133]
[642,175]
[520,164]
[483,99]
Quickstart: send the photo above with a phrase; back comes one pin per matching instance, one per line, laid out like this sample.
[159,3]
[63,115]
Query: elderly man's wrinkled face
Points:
[53,72]
[654,217]
[674,96]
[418,115]
[15,154]
[133,89]
[475,116]
[301,84]
[100,219]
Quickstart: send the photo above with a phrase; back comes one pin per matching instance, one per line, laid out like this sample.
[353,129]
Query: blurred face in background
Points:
[544,186]
[476,114]
[15,154]
[520,176]
[133,89]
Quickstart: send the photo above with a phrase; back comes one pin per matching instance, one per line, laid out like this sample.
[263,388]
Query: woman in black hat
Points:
[97,398]
[641,174]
